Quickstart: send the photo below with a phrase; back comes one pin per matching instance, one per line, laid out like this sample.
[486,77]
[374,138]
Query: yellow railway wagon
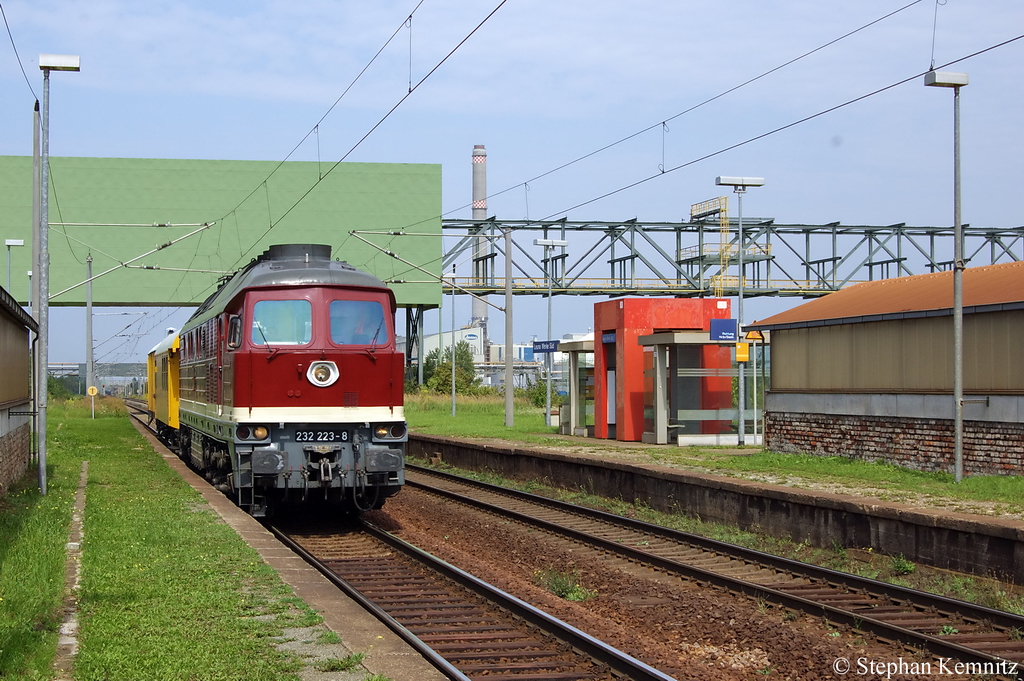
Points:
[163,369]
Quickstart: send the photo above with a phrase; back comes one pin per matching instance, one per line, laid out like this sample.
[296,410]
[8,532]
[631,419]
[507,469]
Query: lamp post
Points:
[90,367]
[453,340]
[739,186]
[47,63]
[9,243]
[548,244]
[510,417]
[956,81]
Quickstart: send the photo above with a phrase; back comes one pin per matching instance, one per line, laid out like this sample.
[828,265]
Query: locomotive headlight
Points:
[322,374]
[243,432]
[389,431]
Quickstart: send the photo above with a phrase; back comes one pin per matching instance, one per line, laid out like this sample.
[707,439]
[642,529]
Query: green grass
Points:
[168,590]
[344,664]
[1008,490]
[476,417]
[483,417]
[564,584]
[33,532]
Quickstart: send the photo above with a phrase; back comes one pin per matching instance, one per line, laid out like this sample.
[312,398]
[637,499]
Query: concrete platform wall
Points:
[966,543]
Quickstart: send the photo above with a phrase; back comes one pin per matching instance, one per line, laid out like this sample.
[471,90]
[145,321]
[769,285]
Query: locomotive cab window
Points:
[235,332]
[358,322]
[282,322]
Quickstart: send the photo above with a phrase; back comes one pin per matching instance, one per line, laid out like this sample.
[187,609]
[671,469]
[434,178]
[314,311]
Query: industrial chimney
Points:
[482,247]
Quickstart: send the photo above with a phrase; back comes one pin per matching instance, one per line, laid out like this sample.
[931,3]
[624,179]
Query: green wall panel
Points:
[249,205]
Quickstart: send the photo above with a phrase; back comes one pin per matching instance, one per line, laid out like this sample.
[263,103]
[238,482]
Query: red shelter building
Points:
[620,362]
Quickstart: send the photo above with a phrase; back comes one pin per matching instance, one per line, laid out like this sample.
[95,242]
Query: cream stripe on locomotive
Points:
[296,414]
[318,414]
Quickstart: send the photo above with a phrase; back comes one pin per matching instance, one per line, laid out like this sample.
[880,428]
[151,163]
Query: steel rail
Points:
[617,660]
[862,622]
[435,659]
[601,652]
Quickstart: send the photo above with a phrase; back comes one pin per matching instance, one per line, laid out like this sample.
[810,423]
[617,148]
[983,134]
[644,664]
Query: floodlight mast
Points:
[47,63]
[956,81]
[739,186]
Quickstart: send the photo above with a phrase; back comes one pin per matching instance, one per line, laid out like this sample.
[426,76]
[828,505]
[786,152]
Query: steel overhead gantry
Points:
[685,259]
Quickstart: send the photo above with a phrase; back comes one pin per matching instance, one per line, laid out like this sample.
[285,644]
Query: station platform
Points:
[386,653]
[920,530]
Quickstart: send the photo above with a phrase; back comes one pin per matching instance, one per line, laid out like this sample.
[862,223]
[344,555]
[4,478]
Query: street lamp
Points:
[548,244]
[47,63]
[956,81]
[739,186]
[9,243]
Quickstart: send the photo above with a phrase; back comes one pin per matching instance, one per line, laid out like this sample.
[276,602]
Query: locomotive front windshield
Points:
[282,322]
[358,322]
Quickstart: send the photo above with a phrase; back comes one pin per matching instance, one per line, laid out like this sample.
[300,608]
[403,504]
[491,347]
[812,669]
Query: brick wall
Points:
[990,448]
[14,455]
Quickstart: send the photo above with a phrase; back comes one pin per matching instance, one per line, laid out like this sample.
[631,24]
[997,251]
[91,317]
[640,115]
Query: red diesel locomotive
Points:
[286,385]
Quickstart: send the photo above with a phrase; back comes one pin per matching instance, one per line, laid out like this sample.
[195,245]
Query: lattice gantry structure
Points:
[700,257]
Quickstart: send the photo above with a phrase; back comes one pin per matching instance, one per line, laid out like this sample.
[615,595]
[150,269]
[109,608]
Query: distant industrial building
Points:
[867,372]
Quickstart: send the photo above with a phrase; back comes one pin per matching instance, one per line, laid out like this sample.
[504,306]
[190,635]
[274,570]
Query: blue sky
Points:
[540,84]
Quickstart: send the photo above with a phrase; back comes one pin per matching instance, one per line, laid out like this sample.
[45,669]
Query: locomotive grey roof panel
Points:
[286,265]
[119,209]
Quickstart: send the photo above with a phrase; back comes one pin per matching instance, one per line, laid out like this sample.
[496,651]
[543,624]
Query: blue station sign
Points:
[545,346]
[723,330]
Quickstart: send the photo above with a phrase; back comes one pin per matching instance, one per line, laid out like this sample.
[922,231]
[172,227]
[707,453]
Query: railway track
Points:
[464,626]
[947,628]
[467,628]
[139,410]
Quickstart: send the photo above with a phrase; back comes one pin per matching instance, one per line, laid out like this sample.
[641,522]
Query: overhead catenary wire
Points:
[663,123]
[125,263]
[315,130]
[742,143]
[935,28]
[776,130]
[380,122]
[16,55]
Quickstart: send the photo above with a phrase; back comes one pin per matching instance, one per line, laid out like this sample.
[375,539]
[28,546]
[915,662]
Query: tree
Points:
[437,369]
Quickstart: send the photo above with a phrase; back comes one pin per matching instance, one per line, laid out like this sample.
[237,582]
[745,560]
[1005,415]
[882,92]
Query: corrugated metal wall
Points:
[905,355]
[14,358]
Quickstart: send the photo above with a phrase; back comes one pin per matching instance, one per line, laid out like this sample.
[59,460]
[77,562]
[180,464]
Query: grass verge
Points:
[168,590]
[483,417]
[477,417]
[33,533]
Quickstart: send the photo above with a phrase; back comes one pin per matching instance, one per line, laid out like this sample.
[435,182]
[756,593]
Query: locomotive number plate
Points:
[321,436]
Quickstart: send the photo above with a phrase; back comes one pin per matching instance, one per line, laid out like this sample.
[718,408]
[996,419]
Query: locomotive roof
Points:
[288,265]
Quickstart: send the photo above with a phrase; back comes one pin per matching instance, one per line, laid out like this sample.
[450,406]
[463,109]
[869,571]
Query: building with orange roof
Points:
[867,372]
